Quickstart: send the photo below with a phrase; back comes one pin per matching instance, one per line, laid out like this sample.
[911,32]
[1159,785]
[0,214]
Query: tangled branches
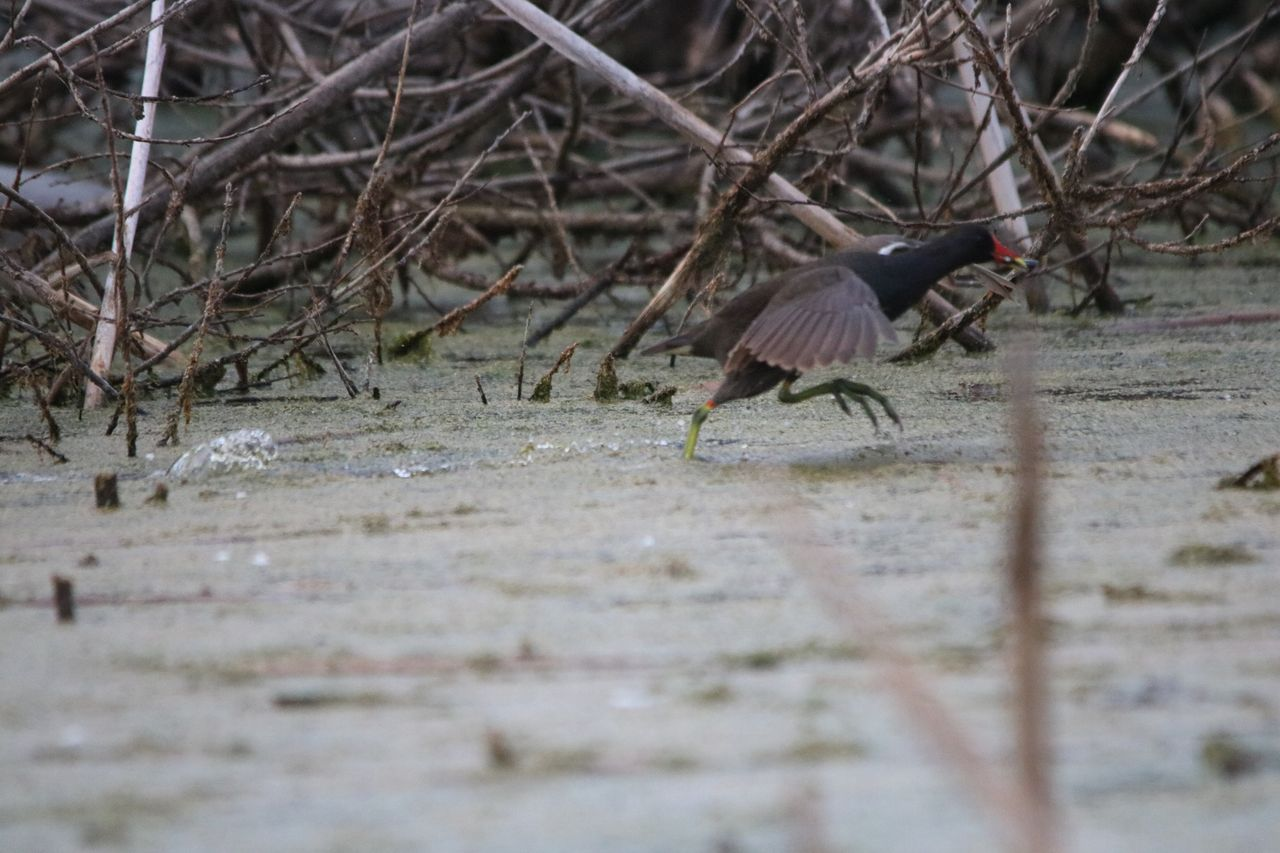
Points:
[328,153]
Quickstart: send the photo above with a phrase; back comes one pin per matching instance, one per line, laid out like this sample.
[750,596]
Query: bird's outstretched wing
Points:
[823,316]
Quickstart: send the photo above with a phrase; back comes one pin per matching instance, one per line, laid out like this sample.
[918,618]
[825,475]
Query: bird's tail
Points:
[675,344]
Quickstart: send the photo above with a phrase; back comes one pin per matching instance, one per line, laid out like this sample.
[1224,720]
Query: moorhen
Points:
[823,312]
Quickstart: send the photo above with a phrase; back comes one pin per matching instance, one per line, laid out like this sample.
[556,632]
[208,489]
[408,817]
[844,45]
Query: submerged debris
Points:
[637,389]
[609,389]
[498,747]
[1263,474]
[661,397]
[1224,755]
[411,346]
[311,698]
[1200,554]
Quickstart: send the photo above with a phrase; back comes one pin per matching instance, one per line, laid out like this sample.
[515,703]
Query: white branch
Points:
[993,141]
[104,338]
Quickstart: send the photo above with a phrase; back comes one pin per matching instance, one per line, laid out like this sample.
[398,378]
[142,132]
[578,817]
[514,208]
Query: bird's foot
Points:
[844,390]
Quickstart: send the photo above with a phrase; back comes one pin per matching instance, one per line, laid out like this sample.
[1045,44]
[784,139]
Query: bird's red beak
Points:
[1002,254]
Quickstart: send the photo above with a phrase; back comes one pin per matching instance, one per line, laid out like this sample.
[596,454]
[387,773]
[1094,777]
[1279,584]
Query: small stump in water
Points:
[64,599]
[606,381]
[105,491]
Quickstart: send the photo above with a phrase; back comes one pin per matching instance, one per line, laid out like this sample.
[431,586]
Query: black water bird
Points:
[823,312]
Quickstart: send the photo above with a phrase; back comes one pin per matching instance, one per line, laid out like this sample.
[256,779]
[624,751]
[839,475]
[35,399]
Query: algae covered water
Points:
[432,621]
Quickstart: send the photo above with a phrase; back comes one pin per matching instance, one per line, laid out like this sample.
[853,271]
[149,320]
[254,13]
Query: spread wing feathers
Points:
[825,315]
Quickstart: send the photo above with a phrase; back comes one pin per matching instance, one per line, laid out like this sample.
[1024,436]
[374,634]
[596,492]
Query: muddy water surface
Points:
[437,624]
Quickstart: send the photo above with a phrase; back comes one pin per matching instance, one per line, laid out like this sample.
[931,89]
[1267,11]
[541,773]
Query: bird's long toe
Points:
[861,400]
[862,393]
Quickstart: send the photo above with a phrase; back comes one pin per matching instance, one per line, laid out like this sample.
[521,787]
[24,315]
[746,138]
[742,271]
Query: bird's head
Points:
[1006,257]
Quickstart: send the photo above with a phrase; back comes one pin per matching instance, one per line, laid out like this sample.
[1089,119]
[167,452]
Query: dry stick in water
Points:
[129,393]
[542,391]
[1025,569]
[1263,474]
[452,321]
[929,343]
[524,349]
[104,338]
[45,447]
[449,323]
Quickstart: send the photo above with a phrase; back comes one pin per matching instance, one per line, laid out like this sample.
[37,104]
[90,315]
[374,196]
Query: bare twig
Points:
[59,346]
[212,304]
[211,170]
[1076,163]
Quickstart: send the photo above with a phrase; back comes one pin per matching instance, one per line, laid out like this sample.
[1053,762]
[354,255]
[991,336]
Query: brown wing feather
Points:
[867,336]
[847,338]
[822,316]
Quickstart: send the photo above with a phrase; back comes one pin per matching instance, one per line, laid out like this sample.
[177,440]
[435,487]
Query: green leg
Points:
[841,389]
[691,440]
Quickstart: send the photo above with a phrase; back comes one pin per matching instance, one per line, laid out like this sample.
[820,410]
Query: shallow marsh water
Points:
[437,624]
